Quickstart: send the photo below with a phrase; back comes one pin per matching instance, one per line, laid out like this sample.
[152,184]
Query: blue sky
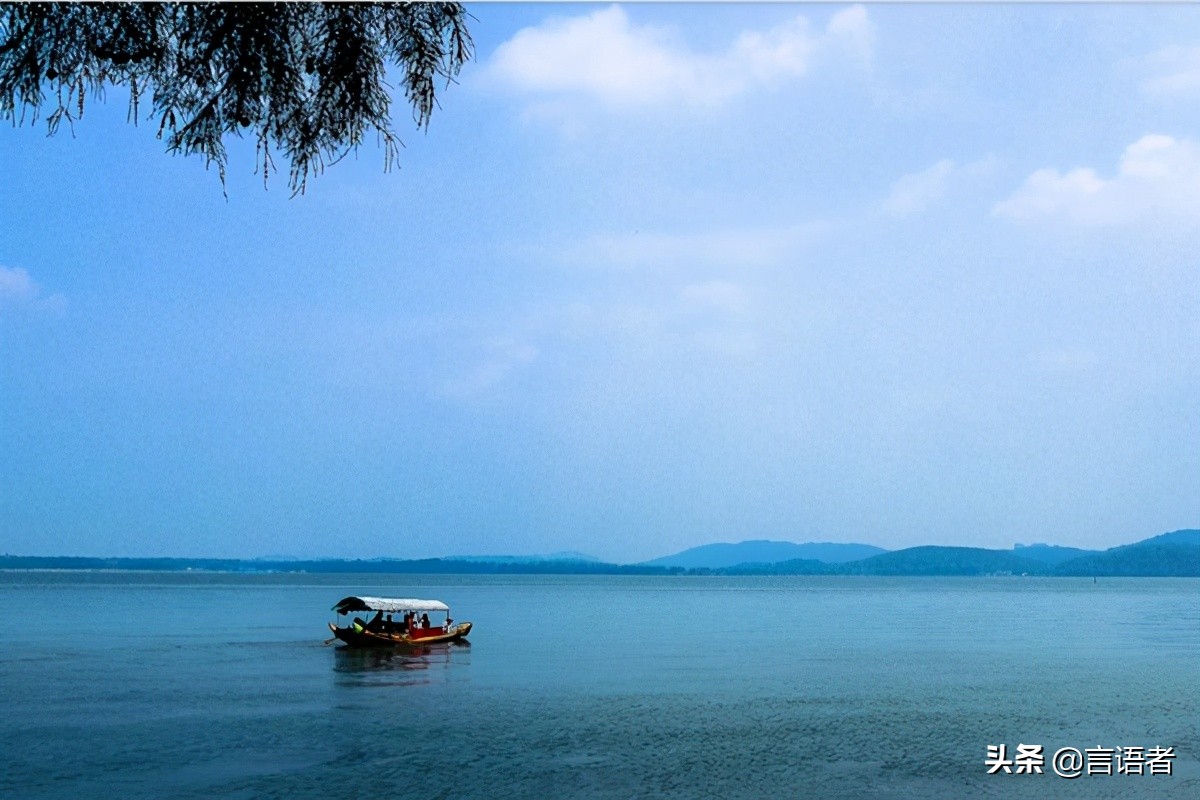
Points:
[656,276]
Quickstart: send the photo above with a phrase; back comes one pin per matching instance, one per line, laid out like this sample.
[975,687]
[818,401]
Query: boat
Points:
[412,627]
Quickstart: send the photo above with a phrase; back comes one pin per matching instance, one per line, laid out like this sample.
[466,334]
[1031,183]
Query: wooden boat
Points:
[413,628]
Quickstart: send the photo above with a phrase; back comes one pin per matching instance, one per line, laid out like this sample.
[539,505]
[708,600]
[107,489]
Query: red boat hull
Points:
[422,636]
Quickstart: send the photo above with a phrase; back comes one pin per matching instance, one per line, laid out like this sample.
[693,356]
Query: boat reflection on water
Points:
[399,666]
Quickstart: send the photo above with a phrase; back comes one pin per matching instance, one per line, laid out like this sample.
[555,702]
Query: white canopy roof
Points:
[389,604]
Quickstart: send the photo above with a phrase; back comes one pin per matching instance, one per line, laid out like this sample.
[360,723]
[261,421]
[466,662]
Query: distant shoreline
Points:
[1152,558]
[687,573]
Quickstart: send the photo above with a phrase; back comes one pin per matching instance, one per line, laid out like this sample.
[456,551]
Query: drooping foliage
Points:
[306,80]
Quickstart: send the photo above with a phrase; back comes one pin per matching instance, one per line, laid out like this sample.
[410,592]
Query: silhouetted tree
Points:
[305,79]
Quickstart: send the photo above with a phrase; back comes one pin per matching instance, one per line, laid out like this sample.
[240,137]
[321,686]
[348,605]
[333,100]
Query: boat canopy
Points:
[388,604]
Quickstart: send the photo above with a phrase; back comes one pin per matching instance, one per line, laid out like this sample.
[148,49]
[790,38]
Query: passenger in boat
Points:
[424,620]
[358,625]
[376,623]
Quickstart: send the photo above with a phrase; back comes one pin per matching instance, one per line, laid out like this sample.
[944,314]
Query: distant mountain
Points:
[1190,536]
[1050,553]
[761,551]
[1151,560]
[1175,554]
[570,556]
[934,560]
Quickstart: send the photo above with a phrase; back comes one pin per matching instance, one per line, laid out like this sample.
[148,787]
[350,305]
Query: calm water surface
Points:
[202,685]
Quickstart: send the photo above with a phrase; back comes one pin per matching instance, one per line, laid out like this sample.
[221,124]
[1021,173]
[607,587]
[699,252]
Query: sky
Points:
[655,276]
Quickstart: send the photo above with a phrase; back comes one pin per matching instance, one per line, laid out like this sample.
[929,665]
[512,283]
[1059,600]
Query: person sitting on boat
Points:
[388,625]
[424,620]
[376,623]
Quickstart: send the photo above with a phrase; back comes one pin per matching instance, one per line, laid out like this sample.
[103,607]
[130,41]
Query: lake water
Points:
[207,685]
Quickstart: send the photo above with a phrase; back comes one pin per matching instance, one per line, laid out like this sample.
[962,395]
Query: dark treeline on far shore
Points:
[1175,554]
[427,566]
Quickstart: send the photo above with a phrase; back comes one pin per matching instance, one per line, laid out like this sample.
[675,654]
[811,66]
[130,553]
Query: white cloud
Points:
[852,29]
[915,192]
[502,356]
[16,285]
[19,290]
[1069,360]
[719,296]
[605,56]
[1169,73]
[1157,177]
[735,247]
